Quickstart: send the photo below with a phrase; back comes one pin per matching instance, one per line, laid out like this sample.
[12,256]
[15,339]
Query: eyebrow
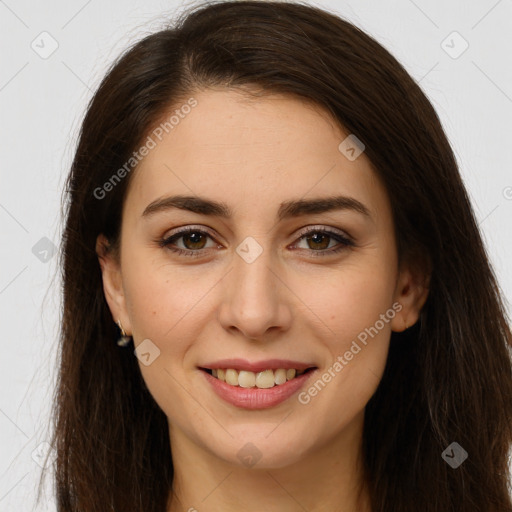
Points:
[287,209]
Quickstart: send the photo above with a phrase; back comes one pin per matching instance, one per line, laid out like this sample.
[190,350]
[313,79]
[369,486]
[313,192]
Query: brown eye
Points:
[318,241]
[193,240]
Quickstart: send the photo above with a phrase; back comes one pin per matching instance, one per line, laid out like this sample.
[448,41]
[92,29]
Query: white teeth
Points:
[280,376]
[232,377]
[265,379]
[246,379]
[290,374]
[262,380]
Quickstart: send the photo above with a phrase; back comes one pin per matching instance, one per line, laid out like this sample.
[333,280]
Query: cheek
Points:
[357,344]
[165,308]
[359,306]
[355,309]
[347,300]
[160,297]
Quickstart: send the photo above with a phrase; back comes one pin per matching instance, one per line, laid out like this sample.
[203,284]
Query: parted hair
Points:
[448,378]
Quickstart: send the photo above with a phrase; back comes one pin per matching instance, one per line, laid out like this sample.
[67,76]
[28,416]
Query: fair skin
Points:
[294,301]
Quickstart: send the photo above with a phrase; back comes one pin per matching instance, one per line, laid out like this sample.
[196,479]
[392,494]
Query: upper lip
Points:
[257,366]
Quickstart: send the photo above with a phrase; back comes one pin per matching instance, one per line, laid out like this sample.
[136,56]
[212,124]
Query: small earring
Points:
[124,340]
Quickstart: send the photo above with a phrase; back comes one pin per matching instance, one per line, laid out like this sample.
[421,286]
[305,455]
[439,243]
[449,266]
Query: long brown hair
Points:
[448,378]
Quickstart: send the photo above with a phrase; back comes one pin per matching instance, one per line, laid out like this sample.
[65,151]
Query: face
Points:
[269,277]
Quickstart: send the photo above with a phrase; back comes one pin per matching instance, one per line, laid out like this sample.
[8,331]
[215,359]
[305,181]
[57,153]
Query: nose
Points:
[256,299]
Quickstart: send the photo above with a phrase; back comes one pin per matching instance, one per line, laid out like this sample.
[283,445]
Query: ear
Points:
[112,283]
[411,292]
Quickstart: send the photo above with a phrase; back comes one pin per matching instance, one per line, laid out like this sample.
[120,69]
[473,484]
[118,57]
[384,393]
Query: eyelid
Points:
[186,228]
[321,227]
[304,231]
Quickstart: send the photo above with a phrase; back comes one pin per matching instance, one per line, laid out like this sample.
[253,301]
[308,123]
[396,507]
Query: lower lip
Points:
[255,398]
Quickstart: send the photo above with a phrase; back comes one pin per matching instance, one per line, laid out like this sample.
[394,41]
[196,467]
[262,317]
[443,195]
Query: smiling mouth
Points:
[263,380]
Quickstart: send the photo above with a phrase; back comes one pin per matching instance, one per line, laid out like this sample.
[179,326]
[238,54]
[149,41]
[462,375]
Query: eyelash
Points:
[345,241]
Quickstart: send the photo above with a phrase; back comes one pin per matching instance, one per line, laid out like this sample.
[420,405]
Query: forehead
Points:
[242,150]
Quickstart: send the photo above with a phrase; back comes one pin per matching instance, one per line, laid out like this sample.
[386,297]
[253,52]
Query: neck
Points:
[328,478]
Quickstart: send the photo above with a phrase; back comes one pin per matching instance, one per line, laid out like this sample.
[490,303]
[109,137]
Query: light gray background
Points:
[42,102]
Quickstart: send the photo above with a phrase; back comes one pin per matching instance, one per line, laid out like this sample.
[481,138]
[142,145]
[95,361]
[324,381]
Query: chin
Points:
[259,451]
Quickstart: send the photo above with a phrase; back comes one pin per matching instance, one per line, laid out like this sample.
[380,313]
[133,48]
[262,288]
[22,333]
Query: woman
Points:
[264,211]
